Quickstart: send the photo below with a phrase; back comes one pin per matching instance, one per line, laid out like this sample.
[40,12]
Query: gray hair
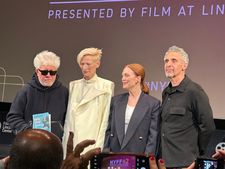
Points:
[179,50]
[46,58]
[95,52]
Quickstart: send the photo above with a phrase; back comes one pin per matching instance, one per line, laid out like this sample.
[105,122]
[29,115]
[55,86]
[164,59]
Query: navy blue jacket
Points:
[143,129]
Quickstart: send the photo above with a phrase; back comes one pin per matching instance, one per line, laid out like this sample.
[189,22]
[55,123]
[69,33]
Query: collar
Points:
[92,80]
[180,88]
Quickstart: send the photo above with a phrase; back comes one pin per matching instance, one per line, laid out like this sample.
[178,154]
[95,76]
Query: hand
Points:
[74,159]
[219,154]
[5,161]
[192,166]
[153,165]
[161,164]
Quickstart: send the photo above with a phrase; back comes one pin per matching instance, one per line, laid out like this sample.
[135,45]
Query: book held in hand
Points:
[42,121]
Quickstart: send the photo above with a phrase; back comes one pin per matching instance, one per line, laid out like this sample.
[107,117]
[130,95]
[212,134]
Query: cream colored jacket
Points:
[88,111]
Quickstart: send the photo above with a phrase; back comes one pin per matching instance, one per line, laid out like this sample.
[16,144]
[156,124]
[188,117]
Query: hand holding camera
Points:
[209,163]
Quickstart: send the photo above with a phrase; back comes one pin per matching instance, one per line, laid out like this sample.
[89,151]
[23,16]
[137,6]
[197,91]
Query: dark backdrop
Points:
[132,31]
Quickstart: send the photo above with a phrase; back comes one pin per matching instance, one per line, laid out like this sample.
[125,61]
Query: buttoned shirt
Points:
[187,123]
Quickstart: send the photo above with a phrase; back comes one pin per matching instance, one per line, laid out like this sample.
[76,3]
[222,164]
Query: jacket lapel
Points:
[90,95]
[120,117]
[136,118]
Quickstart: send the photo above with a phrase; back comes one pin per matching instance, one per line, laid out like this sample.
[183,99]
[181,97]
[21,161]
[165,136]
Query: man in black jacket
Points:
[187,119]
[44,93]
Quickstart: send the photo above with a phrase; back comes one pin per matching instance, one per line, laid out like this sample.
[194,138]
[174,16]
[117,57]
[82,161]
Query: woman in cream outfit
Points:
[89,102]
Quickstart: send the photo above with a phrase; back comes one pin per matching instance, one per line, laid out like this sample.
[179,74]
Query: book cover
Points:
[42,121]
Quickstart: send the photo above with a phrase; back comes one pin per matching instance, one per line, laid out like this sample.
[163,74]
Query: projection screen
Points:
[127,31]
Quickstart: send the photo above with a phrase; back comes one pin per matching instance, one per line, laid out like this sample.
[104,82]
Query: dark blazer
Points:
[143,129]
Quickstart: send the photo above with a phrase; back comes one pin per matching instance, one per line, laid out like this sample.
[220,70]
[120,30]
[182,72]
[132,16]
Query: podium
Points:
[6,135]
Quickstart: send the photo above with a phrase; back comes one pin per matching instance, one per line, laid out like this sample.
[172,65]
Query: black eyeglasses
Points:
[45,72]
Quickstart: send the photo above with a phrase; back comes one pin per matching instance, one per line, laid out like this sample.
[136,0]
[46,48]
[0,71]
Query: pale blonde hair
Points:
[94,52]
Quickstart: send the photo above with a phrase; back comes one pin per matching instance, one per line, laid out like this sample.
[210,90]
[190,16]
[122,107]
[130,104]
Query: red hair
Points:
[139,71]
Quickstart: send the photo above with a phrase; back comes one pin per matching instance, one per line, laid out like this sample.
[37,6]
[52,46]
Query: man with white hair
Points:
[44,93]
[187,119]
[89,102]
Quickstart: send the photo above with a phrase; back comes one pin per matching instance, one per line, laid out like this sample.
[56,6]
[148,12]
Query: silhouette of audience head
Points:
[36,149]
